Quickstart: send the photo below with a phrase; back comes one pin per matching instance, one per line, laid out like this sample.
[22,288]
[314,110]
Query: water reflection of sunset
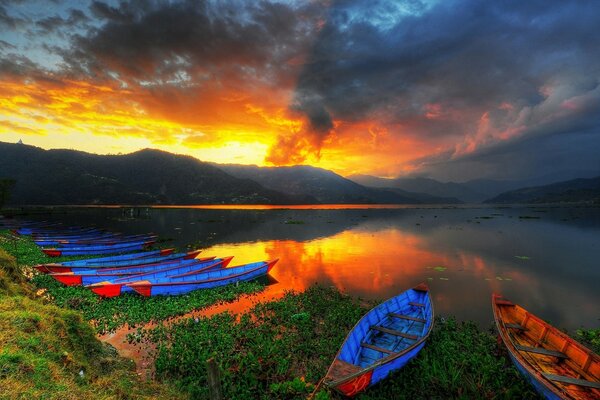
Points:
[370,264]
[547,265]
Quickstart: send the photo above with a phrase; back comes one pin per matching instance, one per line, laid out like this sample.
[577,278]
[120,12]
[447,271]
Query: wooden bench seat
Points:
[572,381]
[376,348]
[394,332]
[542,351]
[407,317]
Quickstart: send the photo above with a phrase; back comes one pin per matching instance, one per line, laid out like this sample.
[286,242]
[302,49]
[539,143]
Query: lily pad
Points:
[523,257]
[444,279]
[440,268]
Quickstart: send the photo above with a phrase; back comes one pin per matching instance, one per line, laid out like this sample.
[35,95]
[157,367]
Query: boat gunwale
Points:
[386,359]
[517,355]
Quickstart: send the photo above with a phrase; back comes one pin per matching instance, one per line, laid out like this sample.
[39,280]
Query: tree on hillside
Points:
[5,187]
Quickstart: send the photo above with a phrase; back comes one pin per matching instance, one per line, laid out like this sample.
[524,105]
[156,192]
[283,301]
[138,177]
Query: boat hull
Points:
[208,280]
[556,365]
[384,340]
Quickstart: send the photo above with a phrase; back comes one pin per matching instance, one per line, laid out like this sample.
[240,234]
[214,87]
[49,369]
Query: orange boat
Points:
[555,364]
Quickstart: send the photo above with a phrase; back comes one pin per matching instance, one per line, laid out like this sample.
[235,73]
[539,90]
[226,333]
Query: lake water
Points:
[545,259]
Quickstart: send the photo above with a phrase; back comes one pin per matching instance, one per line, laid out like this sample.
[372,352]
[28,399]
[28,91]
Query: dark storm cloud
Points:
[154,42]
[105,11]
[55,23]
[463,58]
[9,21]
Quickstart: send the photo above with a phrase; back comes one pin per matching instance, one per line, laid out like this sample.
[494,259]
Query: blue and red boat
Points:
[119,286]
[384,340]
[145,257]
[91,276]
[186,283]
[98,240]
[100,249]
[183,282]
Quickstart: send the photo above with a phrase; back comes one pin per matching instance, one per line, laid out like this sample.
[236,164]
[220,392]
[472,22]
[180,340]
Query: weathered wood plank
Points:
[408,317]
[412,303]
[516,326]
[572,381]
[376,348]
[394,332]
[542,351]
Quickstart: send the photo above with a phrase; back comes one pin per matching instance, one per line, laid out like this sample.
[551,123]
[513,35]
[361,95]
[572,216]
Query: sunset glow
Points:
[343,86]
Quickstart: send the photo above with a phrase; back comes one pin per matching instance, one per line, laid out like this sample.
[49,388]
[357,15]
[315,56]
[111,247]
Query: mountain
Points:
[572,191]
[324,185]
[424,186]
[144,177]
[473,191]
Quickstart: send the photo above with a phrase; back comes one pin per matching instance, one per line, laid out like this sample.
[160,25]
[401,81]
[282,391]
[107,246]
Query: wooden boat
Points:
[94,250]
[91,276]
[555,364]
[93,240]
[122,285]
[185,283]
[102,243]
[384,340]
[145,257]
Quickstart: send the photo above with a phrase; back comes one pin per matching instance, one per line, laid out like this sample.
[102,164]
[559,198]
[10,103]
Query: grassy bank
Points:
[109,314]
[48,352]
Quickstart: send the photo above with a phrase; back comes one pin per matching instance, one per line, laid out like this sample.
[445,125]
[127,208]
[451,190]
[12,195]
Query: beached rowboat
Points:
[94,250]
[90,276]
[555,364]
[385,339]
[145,257]
[188,282]
[184,282]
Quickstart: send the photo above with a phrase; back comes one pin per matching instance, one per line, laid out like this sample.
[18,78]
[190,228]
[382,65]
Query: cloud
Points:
[461,75]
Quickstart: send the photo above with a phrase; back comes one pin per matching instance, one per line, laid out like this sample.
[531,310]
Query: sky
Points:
[448,89]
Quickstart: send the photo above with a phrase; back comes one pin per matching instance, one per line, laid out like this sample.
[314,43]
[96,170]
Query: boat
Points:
[122,285]
[557,366]
[383,340]
[94,250]
[145,257]
[94,240]
[136,262]
[91,276]
[185,283]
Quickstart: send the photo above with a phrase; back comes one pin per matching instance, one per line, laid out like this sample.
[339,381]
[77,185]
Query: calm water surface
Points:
[546,259]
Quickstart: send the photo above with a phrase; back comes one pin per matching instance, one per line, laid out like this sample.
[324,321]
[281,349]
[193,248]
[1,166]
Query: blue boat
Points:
[121,285]
[94,240]
[384,340]
[185,283]
[93,250]
[91,276]
[98,243]
[120,260]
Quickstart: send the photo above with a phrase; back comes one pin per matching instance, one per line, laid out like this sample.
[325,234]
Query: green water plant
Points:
[282,349]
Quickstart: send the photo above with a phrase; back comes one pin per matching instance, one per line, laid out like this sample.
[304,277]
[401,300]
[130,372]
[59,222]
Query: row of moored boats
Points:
[126,263]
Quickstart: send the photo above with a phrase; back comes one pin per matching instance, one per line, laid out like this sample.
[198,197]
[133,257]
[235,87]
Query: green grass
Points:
[47,352]
[109,314]
[282,349]
[132,309]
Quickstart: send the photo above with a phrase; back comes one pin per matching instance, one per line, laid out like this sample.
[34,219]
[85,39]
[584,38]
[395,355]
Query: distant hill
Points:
[572,191]
[144,177]
[325,186]
[473,191]
[428,186]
